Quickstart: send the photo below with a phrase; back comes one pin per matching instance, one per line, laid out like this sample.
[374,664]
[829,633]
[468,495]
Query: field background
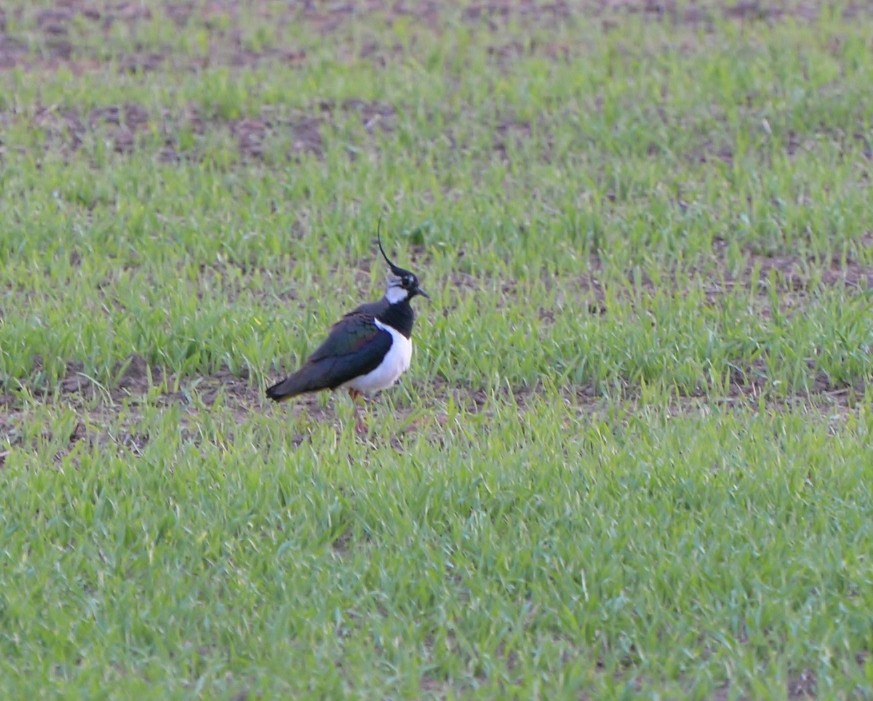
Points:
[633,455]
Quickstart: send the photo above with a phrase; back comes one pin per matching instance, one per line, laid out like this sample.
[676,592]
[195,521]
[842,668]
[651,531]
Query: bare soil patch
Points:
[129,125]
[793,277]
[46,38]
[802,685]
[65,130]
[110,417]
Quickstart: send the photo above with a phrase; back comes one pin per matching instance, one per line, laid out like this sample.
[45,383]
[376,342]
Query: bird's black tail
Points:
[285,389]
[312,377]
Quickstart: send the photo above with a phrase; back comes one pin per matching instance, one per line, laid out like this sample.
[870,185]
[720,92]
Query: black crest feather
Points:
[394,268]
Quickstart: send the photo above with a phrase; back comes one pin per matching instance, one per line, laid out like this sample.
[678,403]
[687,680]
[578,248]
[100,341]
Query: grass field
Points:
[633,457]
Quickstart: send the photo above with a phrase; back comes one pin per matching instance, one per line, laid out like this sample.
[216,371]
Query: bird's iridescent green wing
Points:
[354,334]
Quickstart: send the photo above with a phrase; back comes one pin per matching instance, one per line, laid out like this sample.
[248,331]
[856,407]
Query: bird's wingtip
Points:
[276,394]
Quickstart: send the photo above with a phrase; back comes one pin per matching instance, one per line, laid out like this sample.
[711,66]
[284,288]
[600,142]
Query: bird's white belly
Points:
[395,363]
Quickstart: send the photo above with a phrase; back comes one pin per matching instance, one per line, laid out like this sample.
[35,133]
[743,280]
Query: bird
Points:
[367,350]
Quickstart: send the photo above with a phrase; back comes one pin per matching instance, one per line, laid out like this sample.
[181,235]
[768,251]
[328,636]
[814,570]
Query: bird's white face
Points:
[396,292]
[401,285]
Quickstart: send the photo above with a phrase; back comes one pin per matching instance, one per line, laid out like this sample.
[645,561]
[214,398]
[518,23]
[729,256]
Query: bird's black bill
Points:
[421,292]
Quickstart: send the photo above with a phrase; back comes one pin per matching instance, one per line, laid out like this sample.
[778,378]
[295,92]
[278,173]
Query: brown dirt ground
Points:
[52,29]
[55,25]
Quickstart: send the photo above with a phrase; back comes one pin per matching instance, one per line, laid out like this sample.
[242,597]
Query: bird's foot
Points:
[361,427]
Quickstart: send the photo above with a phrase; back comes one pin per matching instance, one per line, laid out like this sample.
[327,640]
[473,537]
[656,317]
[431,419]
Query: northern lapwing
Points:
[367,350]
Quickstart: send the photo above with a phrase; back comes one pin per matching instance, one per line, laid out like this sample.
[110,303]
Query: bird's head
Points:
[402,284]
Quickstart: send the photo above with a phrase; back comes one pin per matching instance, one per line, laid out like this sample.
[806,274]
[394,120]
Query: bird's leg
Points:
[360,426]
